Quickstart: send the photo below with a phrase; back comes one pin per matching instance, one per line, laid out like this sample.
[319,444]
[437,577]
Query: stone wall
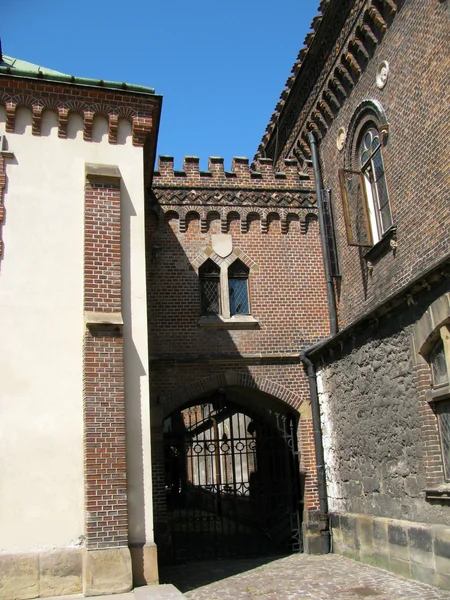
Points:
[372,422]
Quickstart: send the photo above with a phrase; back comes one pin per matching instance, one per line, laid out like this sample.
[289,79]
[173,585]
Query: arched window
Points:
[238,288]
[209,274]
[367,211]
[372,169]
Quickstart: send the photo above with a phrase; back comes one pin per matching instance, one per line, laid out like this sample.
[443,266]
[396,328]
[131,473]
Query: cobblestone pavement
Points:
[296,577]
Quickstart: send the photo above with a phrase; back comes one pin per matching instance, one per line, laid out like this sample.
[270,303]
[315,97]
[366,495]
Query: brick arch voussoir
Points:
[4,99]
[202,386]
[24,101]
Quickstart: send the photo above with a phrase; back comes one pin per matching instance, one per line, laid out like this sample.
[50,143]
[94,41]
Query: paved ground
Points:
[296,577]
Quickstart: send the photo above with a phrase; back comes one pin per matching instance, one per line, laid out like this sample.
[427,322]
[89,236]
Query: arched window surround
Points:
[364,189]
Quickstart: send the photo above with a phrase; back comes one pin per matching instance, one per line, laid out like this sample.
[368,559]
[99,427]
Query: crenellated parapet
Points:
[260,176]
[245,194]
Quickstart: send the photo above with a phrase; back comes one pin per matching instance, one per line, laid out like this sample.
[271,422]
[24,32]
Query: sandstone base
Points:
[107,571]
[145,564]
[34,574]
[414,550]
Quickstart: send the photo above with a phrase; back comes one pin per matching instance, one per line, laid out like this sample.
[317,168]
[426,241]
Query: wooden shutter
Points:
[354,201]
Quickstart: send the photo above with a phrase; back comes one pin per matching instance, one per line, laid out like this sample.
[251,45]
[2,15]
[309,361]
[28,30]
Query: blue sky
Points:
[220,66]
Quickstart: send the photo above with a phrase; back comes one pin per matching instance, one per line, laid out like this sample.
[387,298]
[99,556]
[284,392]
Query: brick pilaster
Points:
[104,397]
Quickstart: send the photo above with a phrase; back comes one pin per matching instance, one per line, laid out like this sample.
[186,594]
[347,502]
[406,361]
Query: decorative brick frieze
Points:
[103,364]
[243,193]
[139,110]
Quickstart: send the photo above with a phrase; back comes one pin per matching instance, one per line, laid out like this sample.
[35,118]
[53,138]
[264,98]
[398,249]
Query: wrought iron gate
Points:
[232,482]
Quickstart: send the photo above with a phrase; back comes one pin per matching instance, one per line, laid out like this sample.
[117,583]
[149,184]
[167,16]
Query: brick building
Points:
[75,432]
[297,316]
[372,87]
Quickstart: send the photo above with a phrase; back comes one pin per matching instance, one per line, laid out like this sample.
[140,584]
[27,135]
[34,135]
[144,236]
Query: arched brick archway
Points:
[184,395]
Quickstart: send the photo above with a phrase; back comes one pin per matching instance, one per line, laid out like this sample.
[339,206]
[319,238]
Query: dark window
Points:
[209,274]
[438,364]
[440,374]
[238,288]
[443,412]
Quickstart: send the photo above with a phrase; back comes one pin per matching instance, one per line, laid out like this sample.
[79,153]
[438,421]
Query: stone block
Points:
[441,540]
[144,561]
[443,581]
[398,541]
[349,532]
[60,572]
[165,591]
[380,535]
[421,546]
[440,310]
[423,574]
[364,530]
[400,567]
[107,571]
[376,560]
[442,564]
[19,576]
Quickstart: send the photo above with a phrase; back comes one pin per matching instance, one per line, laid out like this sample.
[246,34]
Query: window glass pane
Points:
[210,288]
[439,364]
[381,192]
[364,157]
[238,297]
[443,410]
[210,296]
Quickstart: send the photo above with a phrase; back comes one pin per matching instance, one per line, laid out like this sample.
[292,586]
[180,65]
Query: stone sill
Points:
[438,393]
[383,246]
[440,492]
[234,322]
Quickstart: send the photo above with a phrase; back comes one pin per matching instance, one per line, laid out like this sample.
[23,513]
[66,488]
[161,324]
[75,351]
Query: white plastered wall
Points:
[334,491]
[41,324]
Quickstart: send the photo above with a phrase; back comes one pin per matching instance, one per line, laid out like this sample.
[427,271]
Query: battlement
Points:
[261,174]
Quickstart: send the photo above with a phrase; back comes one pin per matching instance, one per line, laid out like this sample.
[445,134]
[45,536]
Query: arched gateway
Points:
[232,478]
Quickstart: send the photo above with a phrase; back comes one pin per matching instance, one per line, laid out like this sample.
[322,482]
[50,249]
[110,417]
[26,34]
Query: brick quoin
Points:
[103,370]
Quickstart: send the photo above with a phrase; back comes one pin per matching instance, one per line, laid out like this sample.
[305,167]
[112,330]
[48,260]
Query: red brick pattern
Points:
[415,159]
[104,441]
[104,398]
[102,258]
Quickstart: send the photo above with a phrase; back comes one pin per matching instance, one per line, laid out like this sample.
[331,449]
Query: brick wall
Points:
[417,169]
[412,36]
[271,217]
[103,369]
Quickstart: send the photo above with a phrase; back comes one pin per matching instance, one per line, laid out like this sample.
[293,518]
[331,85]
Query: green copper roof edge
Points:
[84,81]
